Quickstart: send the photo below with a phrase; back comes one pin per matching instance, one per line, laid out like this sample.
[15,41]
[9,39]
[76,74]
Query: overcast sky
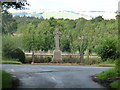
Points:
[75,5]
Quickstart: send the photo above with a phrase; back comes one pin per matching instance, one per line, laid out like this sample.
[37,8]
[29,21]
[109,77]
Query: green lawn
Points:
[10,62]
[106,65]
[6,79]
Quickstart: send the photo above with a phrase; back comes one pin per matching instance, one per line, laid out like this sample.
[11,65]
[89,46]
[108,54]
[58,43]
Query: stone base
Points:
[57,58]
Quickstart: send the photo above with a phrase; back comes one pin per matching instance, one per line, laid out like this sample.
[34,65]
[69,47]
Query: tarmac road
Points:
[55,76]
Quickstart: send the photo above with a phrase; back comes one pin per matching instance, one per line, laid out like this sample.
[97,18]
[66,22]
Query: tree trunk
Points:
[81,57]
[88,56]
[33,56]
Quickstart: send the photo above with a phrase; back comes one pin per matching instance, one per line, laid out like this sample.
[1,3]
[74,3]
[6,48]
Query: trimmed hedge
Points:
[18,54]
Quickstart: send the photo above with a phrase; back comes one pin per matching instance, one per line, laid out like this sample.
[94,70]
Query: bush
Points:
[71,60]
[93,60]
[108,61]
[48,59]
[38,59]
[108,49]
[18,54]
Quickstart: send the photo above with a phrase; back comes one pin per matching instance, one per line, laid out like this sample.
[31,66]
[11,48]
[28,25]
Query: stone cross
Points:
[57,53]
[57,34]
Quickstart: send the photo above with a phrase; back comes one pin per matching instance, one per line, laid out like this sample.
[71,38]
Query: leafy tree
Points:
[15,5]
[98,19]
[10,51]
[45,35]
[9,25]
[7,46]
[80,37]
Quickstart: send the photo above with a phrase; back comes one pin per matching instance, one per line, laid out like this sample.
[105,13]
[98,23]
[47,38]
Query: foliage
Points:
[77,35]
[95,36]
[97,19]
[92,60]
[9,25]
[70,60]
[108,49]
[108,61]
[39,59]
[7,46]
[15,5]
[9,50]
[6,79]
[18,54]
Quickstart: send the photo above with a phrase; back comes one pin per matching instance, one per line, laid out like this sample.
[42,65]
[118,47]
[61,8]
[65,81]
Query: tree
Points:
[10,50]
[98,19]
[15,5]
[9,25]
[45,34]
[80,38]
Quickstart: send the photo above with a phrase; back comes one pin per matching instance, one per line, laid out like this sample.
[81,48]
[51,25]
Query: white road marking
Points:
[53,78]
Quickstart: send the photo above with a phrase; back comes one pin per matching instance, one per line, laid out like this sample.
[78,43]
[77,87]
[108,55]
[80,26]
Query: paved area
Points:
[55,76]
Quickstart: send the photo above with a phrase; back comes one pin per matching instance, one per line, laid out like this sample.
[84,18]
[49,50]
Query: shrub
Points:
[93,60]
[47,59]
[18,54]
[38,59]
[107,49]
[71,60]
[108,61]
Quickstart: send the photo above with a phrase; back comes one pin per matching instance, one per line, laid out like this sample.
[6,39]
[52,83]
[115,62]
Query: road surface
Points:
[55,76]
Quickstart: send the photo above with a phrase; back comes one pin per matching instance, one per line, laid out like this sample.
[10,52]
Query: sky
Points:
[74,5]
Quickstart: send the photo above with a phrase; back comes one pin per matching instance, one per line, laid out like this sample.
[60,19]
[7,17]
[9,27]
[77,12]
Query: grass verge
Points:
[106,65]
[109,78]
[115,84]
[6,79]
[10,62]
[108,74]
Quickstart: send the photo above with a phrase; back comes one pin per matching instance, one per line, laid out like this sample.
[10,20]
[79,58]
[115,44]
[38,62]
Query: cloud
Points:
[75,5]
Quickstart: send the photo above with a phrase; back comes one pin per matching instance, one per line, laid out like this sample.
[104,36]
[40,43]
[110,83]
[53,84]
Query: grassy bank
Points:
[106,65]
[6,79]
[110,77]
[10,62]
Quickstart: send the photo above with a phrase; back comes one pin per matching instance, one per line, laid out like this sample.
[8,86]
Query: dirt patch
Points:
[58,63]
[105,82]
